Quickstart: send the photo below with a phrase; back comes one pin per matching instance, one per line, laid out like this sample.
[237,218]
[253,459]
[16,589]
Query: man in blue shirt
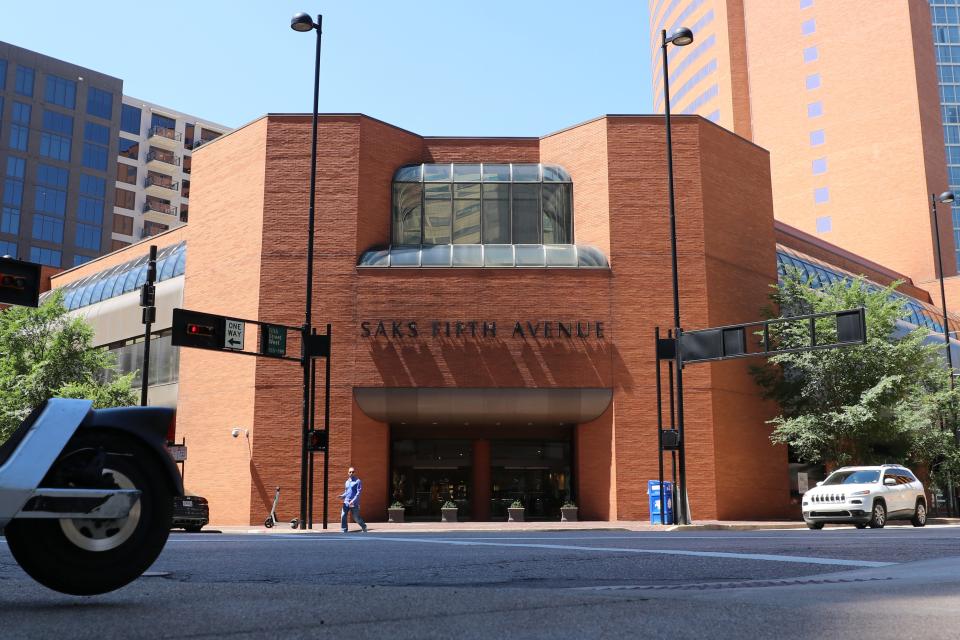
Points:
[351,501]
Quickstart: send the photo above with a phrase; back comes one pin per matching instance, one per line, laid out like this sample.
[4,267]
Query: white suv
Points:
[866,496]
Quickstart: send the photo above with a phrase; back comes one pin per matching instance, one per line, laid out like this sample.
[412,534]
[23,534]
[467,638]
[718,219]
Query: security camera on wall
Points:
[235,432]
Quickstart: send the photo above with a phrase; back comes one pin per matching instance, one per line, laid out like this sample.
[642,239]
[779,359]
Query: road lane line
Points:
[668,552]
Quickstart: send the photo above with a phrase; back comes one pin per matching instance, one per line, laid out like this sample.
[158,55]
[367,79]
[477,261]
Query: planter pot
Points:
[568,514]
[395,514]
[448,515]
[516,514]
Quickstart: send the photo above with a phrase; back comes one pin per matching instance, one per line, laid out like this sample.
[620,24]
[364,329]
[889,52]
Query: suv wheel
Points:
[816,526]
[919,514]
[878,516]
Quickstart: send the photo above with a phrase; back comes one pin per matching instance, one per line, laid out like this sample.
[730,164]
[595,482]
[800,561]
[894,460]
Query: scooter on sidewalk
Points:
[86,496]
[272,518]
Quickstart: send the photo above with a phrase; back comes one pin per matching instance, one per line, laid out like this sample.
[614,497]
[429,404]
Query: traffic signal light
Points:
[148,295]
[317,440]
[19,282]
[195,329]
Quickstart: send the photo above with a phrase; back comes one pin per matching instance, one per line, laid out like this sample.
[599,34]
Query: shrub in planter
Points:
[448,512]
[515,512]
[395,512]
[568,512]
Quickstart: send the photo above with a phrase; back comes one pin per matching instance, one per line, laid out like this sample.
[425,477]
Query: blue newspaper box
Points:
[653,491]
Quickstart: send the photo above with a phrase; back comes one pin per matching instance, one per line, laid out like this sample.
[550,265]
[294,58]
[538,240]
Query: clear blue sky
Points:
[435,67]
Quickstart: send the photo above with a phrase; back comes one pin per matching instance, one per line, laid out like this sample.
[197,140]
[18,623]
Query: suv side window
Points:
[909,475]
[890,474]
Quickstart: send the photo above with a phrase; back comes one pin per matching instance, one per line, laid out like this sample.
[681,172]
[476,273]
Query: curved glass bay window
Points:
[441,204]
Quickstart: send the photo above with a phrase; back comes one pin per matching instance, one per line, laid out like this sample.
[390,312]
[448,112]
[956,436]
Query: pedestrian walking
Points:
[351,501]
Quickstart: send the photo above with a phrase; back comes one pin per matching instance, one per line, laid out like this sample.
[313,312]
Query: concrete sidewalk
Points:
[526,527]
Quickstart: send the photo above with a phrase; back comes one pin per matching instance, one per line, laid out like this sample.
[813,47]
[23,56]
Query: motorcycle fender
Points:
[146,424]
[34,448]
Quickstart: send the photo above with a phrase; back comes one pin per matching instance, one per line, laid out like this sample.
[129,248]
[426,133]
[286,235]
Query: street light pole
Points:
[681,38]
[947,197]
[303,23]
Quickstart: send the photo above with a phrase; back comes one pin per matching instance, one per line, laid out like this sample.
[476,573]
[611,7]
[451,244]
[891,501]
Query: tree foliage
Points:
[44,352]
[886,401]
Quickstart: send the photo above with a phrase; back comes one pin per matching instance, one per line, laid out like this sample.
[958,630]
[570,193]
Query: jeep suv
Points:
[866,496]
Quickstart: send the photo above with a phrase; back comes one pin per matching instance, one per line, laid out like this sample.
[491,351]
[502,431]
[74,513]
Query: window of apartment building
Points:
[819,166]
[90,212]
[96,137]
[130,119]
[42,255]
[60,91]
[815,109]
[813,81]
[118,244]
[56,137]
[824,224]
[153,228]
[810,54]
[47,228]
[185,188]
[79,259]
[122,224]
[20,127]
[88,237]
[126,173]
[821,195]
[162,122]
[99,103]
[129,149]
[160,204]
[23,83]
[207,135]
[12,195]
[807,27]
[3,74]
[56,177]
[161,179]
[125,199]
[488,204]
[8,248]
[817,138]
[805,4]
[187,163]
[188,133]
[184,213]
[50,193]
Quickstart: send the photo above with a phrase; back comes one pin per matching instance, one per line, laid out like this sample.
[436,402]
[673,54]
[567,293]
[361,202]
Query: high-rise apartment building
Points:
[58,138]
[844,95]
[74,150]
[153,168]
[945,15]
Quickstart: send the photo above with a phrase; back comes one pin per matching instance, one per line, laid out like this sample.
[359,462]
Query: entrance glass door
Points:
[535,473]
[428,473]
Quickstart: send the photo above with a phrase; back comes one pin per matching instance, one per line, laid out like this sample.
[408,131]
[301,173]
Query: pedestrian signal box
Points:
[195,329]
[317,440]
[19,282]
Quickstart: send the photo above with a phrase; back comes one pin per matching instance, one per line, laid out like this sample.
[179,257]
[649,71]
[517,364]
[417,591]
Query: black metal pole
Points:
[307,326]
[682,485]
[951,503]
[326,425]
[656,336]
[673,427]
[147,302]
[313,427]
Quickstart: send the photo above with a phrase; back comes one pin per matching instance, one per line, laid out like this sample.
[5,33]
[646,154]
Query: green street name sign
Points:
[273,340]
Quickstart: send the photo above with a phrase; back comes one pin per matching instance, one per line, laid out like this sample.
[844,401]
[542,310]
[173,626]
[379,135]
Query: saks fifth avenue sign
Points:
[549,329]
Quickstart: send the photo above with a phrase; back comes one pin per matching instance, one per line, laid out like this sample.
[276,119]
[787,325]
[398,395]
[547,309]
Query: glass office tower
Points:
[945,15]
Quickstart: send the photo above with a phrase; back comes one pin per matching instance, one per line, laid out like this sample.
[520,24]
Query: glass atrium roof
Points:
[123,278]
[921,314]
[496,256]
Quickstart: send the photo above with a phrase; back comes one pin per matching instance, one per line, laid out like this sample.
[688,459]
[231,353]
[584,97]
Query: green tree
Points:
[44,352]
[886,401]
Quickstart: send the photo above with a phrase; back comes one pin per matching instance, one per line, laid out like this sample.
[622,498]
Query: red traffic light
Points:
[199,330]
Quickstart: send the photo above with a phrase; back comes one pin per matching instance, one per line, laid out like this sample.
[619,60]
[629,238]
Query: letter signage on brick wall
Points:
[538,329]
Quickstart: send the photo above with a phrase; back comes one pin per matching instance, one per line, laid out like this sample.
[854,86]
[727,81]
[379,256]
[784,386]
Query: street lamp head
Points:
[947,197]
[681,37]
[302,22]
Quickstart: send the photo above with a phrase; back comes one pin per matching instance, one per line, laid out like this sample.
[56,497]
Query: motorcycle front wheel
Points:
[88,557]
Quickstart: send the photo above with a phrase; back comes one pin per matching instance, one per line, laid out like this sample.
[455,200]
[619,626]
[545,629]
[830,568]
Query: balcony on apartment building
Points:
[162,160]
[164,137]
[161,186]
[159,211]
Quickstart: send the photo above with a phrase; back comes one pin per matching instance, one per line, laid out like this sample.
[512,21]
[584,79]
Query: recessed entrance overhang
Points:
[490,406]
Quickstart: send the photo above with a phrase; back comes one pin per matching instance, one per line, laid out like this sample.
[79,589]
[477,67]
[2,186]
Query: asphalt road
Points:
[898,582]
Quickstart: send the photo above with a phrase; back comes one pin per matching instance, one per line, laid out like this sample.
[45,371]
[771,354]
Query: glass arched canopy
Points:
[482,203]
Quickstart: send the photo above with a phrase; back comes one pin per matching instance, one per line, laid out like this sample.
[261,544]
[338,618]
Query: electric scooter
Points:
[272,518]
[86,496]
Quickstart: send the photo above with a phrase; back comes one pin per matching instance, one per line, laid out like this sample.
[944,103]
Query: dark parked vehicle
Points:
[191,513]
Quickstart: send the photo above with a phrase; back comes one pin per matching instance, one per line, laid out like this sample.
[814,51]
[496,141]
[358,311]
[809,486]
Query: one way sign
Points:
[234,335]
